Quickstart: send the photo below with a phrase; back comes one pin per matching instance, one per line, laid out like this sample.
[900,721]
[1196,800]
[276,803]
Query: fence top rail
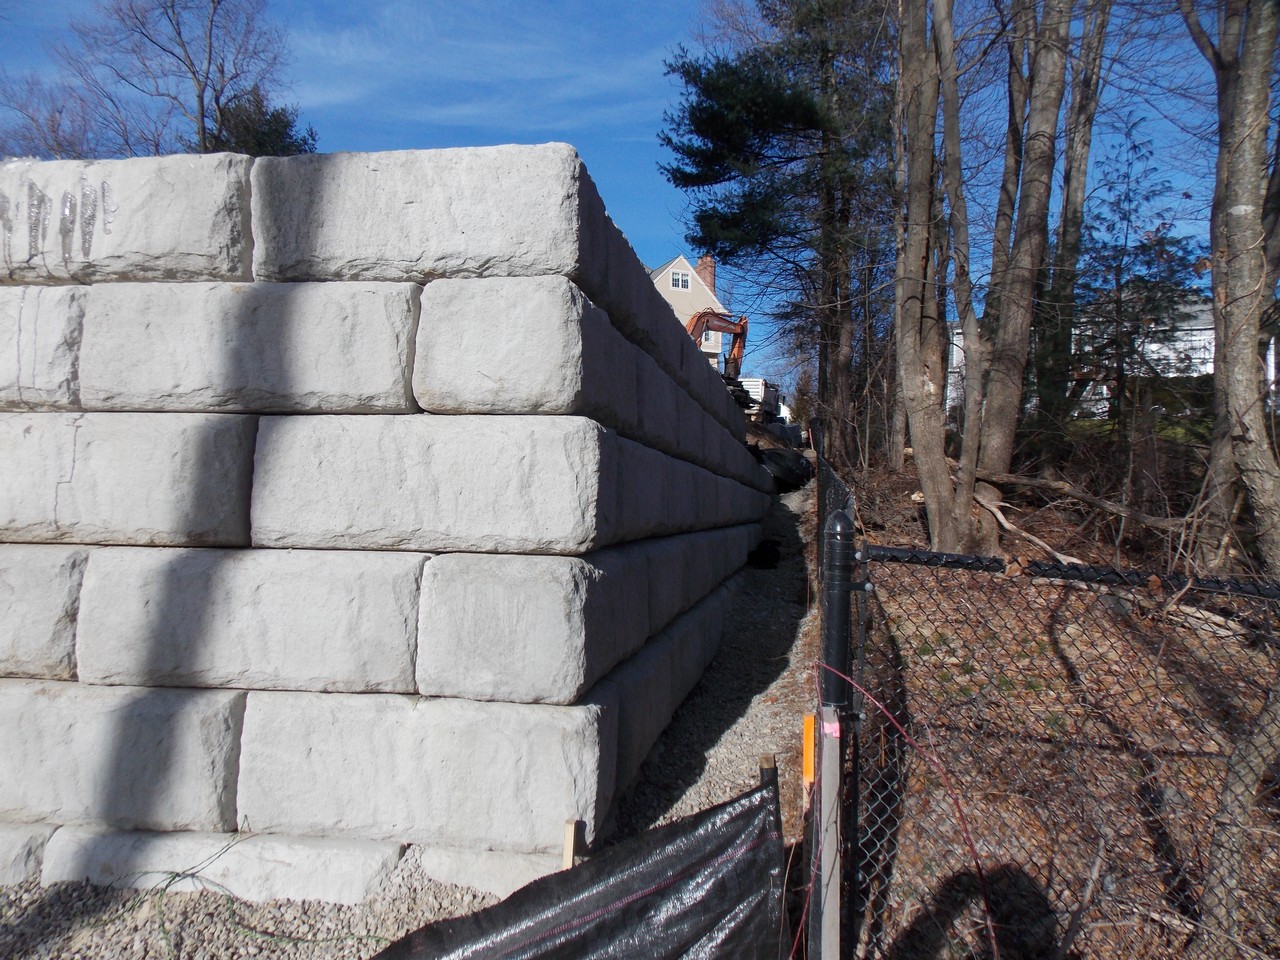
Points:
[1078,572]
[871,553]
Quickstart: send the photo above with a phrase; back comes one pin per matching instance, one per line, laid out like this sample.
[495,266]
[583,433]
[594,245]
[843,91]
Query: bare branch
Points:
[1064,489]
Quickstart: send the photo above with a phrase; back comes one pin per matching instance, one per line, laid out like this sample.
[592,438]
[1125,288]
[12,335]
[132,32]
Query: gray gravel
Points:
[747,704]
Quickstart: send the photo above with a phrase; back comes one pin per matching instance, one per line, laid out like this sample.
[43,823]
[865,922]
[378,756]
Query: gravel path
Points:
[748,703]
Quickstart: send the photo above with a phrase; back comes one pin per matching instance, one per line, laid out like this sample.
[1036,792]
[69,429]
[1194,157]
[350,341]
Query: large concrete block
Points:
[253,619]
[336,348]
[506,627]
[445,772]
[649,686]
[40,327]
[40,597]
[124,756]
[457,483]
[161,479]
[418,214]
[21,850]
[529,629]
[255,867]
[183,217]
[544,629]
[521,345]
[656,400]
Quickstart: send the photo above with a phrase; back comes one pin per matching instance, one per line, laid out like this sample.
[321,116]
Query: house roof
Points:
[685,302]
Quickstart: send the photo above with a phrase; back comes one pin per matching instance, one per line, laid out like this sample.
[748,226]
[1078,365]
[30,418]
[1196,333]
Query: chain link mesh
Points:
[1067,760]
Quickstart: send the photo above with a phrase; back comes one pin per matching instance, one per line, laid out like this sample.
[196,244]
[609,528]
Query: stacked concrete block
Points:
[348,502]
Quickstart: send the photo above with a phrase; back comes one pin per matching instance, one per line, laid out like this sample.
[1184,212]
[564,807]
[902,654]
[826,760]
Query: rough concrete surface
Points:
[491,484]
[172,479]
[126,756]
[40,601]
[544,629]
[335,620]
[181,217]
[22,848]
[41,328]
[745,706]
[448,772]
[252,867]
[249,347]
[505,211]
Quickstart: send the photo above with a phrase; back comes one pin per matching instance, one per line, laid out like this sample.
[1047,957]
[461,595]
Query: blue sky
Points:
[401,74]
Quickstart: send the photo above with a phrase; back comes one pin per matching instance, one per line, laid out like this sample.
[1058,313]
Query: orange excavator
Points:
[706,320]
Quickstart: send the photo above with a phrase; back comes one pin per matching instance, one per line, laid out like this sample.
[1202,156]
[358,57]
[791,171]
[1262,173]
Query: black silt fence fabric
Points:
[706,886]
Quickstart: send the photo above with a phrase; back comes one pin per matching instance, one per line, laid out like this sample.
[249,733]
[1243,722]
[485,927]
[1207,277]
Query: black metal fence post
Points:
[827,918]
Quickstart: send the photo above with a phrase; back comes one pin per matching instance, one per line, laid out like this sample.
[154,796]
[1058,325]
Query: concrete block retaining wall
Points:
[346,502]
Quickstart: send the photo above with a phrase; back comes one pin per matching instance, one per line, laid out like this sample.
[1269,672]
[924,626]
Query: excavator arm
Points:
[706,320]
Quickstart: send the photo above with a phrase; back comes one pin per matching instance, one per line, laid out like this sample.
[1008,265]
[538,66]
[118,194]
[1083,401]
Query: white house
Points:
[1187,351]
[690,290]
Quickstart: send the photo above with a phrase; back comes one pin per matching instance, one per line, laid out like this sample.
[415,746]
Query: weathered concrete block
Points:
[124,756]
[39,367]
[457,483]
[521,345]
[489,211]
[641,491]
[529,629]
[336,348]
[21,850]
[657,421]
[252,619]
[544,629]
[649,686]
[483,212]
[668,577]
[443,772]
[162,479]
[40,597]
[182,217]
[253,867]
[504,627]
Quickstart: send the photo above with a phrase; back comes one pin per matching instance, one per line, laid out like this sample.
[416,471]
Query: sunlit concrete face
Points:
[364,500]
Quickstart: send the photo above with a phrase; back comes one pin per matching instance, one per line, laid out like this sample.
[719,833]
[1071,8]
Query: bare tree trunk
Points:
[957,533]
[1220,903]
[918,99]
[1010,339]
[1242,62]
[1021,27]
[1055,322]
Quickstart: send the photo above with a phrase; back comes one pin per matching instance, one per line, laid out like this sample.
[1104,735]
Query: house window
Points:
[679,280]
[706,336]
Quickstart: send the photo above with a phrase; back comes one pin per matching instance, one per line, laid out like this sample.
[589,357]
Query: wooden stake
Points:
[574,831]
[810,742]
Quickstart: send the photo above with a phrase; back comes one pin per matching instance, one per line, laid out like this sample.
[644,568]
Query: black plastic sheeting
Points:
[707,886]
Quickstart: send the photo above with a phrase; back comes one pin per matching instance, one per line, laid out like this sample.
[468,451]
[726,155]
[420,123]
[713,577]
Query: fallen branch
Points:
[1063,489]
[994,510]
[1086,899]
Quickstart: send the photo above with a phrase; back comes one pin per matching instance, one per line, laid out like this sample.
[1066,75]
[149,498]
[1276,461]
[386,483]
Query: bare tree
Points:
[996,345]
[47,120]
[151,77]
[1241,49]
[1242,59]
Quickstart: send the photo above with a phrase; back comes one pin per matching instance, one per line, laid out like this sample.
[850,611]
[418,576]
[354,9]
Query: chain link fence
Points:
[1058,760]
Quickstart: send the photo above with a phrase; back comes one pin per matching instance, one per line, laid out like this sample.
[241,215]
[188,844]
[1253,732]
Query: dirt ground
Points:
[1056,781]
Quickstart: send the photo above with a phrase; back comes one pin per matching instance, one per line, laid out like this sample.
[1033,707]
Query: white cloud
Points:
[514,67]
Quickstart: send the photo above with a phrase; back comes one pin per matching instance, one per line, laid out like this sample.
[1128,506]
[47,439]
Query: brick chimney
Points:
[706,270]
